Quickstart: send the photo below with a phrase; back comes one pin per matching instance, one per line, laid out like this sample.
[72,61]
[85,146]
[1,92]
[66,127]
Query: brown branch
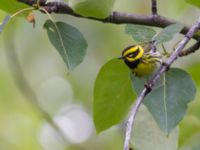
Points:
[115,17]
[164,67]
[191,49]
[154,7]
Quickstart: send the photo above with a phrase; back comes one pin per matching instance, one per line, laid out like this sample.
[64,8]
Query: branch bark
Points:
[191,49]
[154,7]
[115,17]
[164,67]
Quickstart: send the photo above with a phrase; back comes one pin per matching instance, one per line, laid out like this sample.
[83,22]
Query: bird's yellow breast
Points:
[144,69]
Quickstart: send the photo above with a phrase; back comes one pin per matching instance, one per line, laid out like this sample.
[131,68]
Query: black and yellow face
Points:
[132,55]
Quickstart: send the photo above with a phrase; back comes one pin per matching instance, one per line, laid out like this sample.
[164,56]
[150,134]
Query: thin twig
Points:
[154,7]
[21,11]
[4,23]
[191,49]
[164,67]
[114,18]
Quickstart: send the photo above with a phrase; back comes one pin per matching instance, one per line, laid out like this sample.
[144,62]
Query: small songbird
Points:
[141,59]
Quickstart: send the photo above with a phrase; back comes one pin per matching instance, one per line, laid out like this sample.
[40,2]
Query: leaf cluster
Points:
[115,87]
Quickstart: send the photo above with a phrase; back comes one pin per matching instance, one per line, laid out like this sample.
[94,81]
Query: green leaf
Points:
[140,33]
[92,8]
[12,6]
[69,42]
[168,33]
[113,95]
[148,136]
[169,99]
[194,2]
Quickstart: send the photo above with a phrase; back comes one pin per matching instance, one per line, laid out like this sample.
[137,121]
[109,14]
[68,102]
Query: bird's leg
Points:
[166,65]
[148,85]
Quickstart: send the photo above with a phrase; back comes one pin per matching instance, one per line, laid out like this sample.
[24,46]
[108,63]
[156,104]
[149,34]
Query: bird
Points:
[141,59]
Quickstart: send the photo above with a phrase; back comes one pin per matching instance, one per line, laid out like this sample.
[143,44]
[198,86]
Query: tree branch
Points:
[191,49]
[115,17]
[154,7]
[164,67]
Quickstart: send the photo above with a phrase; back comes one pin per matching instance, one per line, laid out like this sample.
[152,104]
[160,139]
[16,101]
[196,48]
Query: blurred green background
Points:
[68,97]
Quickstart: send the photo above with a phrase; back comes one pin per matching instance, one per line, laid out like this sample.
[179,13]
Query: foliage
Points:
[112,89]
[165,102]
[116,88]
[69,42]
[146,128]
[146,34]
[168,33]
[140,33]
[93,8]
[12,6]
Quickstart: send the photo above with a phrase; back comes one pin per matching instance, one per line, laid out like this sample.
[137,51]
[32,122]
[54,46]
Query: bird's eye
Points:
[131,55]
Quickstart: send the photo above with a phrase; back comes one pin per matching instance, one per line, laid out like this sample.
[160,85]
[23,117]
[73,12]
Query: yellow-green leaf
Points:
[92,8]
[113,95]
[12,6]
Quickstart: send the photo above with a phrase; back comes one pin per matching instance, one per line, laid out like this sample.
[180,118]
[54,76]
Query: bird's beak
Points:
[121,57]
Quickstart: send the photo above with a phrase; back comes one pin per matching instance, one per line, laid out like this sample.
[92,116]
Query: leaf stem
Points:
[21,11]
[59,34]
[7,18]
[165,51]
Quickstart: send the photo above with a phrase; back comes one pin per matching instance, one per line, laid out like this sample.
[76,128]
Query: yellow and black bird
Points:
[141,59]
